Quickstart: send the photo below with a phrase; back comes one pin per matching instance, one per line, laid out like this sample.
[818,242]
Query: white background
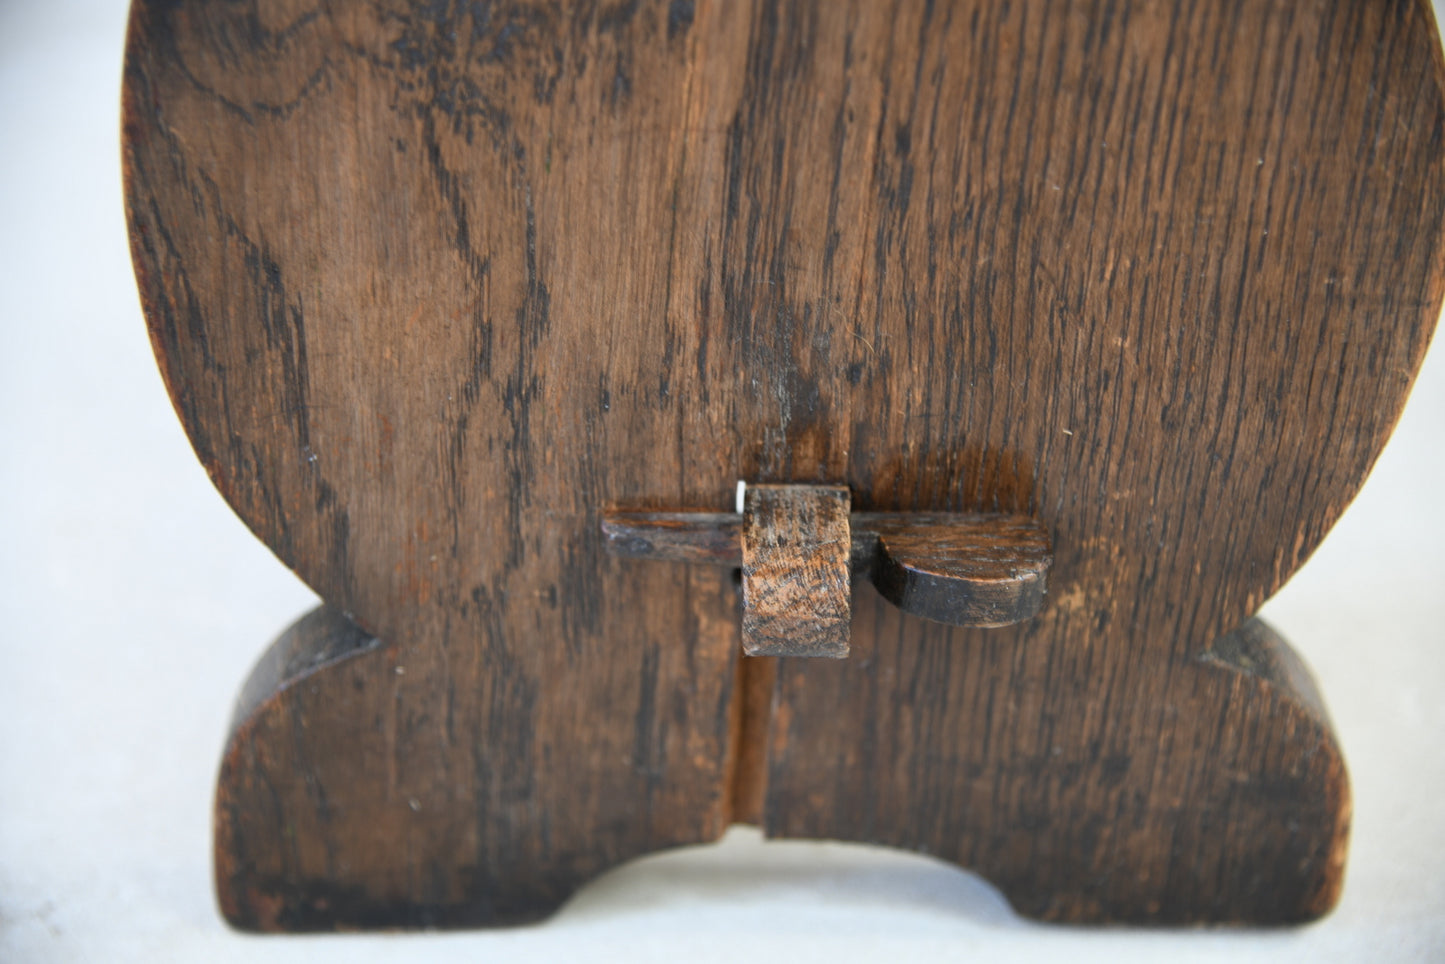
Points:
[133,603]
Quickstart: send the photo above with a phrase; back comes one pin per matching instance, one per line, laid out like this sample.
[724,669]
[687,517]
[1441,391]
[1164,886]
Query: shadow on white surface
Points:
[743,872]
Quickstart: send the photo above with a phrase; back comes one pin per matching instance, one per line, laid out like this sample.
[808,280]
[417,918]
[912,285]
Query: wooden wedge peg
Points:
[963,569]
[796,551]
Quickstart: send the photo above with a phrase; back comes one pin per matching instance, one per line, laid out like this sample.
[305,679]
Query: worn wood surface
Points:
[981,570]
[697,538]
[796,573]
[960,568]
[434,285]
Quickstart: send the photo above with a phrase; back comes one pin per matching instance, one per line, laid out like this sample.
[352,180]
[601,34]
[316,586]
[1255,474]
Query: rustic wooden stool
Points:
[476,313]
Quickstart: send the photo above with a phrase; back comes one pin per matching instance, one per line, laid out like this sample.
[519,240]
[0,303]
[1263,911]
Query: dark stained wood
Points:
[961,569]
[433,287]
[797,549]
[1253,789]
[321,637]
[964,569]
[756,684]
[702,538]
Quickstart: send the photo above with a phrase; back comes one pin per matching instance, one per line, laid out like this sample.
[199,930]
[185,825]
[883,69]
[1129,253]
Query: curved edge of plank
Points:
[964,570]
[1258,837]
[322,636]
[310,833]
[275,872]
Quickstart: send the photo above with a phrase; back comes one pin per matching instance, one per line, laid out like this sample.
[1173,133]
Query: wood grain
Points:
[964,570]
[960,568]
[435,285]
[698,538]
[797,551]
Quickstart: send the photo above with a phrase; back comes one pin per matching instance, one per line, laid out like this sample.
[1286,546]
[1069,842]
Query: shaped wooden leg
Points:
[1208,791]
[355,792]
[1088,784]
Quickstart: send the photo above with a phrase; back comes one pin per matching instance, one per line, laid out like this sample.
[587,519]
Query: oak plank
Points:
[434,291]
